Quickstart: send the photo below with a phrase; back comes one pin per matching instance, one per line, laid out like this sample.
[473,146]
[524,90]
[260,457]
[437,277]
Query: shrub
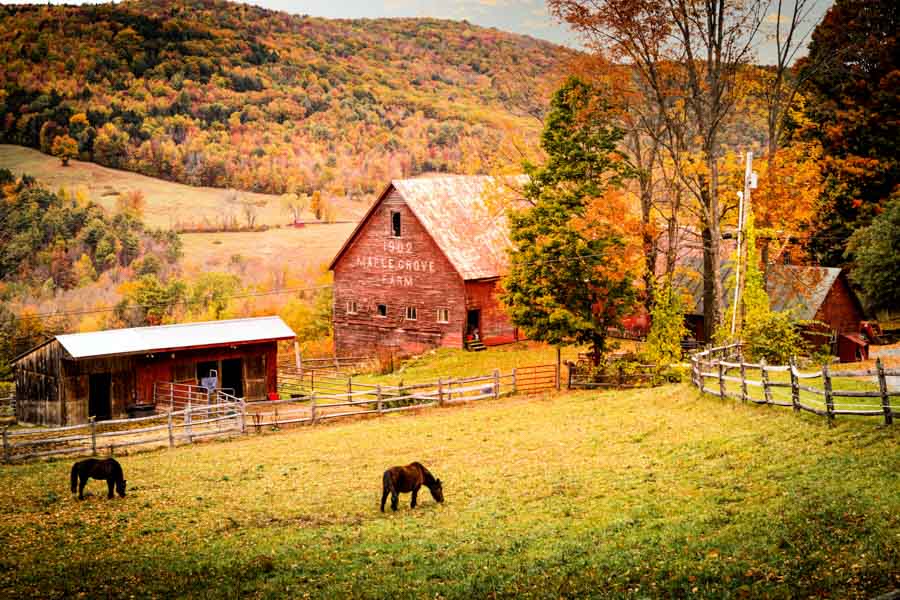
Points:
[773,336]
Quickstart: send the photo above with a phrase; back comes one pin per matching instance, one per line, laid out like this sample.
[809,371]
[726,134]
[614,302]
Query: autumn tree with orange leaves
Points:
[686,55]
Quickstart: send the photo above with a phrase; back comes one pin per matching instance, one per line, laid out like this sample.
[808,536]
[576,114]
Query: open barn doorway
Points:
[233,376]
[99,400]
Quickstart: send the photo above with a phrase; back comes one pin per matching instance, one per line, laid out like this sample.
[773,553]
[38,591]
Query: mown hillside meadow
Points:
[646,493]
[219,94]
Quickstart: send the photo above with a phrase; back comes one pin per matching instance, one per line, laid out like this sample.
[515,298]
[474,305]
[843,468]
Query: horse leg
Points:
[384,495]
[415,492]
[395,499]
[109,484]
[82,481]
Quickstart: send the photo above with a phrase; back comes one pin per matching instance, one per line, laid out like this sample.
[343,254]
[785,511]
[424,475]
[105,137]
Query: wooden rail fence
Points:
[843,392]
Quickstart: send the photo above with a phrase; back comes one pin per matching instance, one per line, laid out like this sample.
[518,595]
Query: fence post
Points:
[829,397]
[93,423]
[313,408]
[378,391]
[721,379]
[882,388]
[312,380]
[795,386]
[569,369]
[350,388]
[171,432]
[187,423]
[744,395]
[767,391]
[450,389]
[515,388]
[440,391]
[558,362]
[6,444]
[496,383]
[243,416]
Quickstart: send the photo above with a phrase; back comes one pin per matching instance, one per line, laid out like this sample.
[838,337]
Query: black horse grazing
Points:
[406,479]
[108,469]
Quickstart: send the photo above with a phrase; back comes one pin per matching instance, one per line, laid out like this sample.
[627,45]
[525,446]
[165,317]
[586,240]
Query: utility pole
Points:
[744,198]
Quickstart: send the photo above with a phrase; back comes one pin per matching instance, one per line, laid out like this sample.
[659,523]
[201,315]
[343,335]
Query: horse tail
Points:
[74,478]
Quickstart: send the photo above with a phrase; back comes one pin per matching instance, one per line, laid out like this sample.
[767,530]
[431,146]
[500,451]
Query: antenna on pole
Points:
[744,197]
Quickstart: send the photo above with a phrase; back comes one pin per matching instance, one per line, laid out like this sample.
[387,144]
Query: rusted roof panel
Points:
[138,340]
[466,216]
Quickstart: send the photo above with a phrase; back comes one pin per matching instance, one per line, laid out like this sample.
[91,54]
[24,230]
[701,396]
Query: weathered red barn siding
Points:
[840,310]
[258,364]
[495,327]
[411,270]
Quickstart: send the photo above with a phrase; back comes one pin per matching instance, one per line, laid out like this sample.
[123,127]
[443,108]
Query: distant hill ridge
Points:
[214,93]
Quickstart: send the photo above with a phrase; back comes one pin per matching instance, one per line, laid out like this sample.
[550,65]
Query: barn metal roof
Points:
[800,289]
[465,215]
[138,340]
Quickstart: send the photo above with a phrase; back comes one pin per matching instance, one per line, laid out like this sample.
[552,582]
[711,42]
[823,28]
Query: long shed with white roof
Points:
[104,374]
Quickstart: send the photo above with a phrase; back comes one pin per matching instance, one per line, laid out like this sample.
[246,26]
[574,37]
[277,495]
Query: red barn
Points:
[422,268]
[104,374]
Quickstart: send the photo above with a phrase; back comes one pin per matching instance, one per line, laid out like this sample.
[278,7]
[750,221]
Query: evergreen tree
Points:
[571,277]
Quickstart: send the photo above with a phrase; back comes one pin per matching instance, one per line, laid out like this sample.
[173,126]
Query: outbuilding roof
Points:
[800,289]
[161,338]
[465,215]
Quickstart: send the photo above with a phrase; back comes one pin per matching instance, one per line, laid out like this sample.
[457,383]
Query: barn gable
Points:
[458,213]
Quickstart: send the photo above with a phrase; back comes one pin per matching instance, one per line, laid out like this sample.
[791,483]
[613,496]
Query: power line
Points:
[166,305]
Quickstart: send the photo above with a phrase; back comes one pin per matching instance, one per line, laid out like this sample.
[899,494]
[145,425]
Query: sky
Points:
[528,17]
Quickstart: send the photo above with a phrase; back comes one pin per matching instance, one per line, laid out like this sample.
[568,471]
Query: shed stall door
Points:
[255,367]
[99,400]
[232,377]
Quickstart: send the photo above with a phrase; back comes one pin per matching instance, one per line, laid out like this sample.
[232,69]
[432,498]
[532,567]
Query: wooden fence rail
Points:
[192,414]
[843,392]
[95,437]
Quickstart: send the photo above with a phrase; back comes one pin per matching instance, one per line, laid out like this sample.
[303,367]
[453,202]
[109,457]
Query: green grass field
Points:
[646,493]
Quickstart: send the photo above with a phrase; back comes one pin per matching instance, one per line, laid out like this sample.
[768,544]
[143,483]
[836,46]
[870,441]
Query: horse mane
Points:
[427,477]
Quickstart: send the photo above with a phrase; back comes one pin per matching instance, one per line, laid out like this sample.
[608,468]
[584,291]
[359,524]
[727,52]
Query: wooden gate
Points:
[537,378]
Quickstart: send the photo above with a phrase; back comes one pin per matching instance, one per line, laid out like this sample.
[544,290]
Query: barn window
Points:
[395,223]
[443,315]
[382,310]
[352,308]
[411,313]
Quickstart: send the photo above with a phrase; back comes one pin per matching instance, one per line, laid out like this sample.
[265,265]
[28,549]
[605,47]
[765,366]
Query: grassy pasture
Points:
[167,203]
[648,492]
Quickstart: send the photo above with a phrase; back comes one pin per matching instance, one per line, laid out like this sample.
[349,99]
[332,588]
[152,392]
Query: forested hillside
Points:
[220,94]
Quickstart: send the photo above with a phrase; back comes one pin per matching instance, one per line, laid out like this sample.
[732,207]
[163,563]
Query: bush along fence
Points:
[861,392]
[190,413]
[8,406]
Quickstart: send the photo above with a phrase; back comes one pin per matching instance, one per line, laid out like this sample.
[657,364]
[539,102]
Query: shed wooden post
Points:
[187,423]
[767,391]
[440,391]
[721,379]
[829,396]
[6,444]
[378,404]
[882,388]
[93,425]
[298,362]
[171,431]
[313,407]
[515,388]
[744,395]
[496,383]
[558,364]
[795,386]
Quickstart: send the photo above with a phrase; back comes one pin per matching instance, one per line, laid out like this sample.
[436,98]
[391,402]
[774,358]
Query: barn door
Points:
[99,404]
